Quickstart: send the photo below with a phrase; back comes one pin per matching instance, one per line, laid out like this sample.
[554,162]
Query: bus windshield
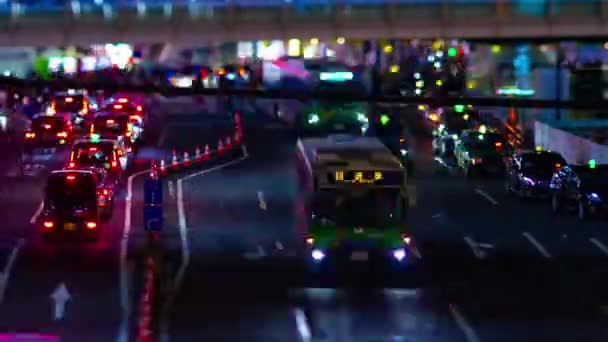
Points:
[378,208]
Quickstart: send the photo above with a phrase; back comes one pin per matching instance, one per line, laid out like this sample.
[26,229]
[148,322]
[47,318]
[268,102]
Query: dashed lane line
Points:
[539,247]
[597,243]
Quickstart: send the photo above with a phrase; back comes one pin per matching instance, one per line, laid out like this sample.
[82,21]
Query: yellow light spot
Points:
[314,41]
[496,48]
[394,68]
[378,176]
[341,40]
[339,175]
[358,177]
[388,48]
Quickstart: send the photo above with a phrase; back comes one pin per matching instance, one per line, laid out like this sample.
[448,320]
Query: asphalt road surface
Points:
[493,268]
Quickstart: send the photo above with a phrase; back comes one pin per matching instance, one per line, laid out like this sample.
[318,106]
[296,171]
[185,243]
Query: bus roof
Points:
[350,153]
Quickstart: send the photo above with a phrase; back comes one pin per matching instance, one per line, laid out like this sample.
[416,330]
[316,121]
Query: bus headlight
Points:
[318,255]
[399,254]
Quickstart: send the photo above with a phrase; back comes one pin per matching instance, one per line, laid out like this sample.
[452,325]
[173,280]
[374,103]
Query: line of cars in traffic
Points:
[101,138]
[461,139]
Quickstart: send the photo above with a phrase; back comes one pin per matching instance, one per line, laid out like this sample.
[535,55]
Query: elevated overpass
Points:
[191,23]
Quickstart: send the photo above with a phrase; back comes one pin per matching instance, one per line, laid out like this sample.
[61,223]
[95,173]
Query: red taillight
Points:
[105,191]
[47,126]
[62,135]
[30,135]
[123,100]
[70,177]
[139,108]
[91,225]
[117,106]
[402,140]
[135,117]
[114,164]
[558,165]
[92,149]
[310,241]
[128,134]
[48,224]
[110,121]
[69,100]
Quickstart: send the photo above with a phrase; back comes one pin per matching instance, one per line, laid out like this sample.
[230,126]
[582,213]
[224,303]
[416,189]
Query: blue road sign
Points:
[153,192]
[153,205]
[153,218]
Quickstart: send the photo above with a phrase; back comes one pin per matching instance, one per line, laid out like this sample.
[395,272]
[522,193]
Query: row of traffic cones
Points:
[200,155]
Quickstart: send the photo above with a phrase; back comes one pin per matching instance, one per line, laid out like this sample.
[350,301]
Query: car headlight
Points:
[403,152]
[594,197]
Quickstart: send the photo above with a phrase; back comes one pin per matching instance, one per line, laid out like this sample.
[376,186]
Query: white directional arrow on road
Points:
[60,297]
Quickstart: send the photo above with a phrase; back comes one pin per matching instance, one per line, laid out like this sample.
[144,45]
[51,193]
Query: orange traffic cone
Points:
[237,138]
[174,159]
[186,159]
[228,142]
[153,170]
[162,169]
[207,153]
[220,146]
[197,154]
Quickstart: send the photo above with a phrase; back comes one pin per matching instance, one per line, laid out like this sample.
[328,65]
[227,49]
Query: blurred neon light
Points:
[339,76]
[515,92]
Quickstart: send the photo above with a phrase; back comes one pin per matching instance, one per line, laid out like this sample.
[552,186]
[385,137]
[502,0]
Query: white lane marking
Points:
[244,149]
[443,163]
[163,137]
[479,254]
[6,272]
[185,255]
[599,245]
[304,156]
[125,298]
[463,324]
[171,189]
[302,325]
[541,249]
[37,213]
[261,200]
[486,196]
[60,297]
[411,195]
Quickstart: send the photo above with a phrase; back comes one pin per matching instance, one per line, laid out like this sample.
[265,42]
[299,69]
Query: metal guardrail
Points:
[12,83]
[57,6]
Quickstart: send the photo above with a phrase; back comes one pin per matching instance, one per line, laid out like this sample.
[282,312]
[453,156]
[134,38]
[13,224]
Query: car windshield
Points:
[51,124]
[483,142]
[331,118]
[593,178]
[541,164]
[93,154]
[70,190]
[111,124]
[377,208]
[69,103]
